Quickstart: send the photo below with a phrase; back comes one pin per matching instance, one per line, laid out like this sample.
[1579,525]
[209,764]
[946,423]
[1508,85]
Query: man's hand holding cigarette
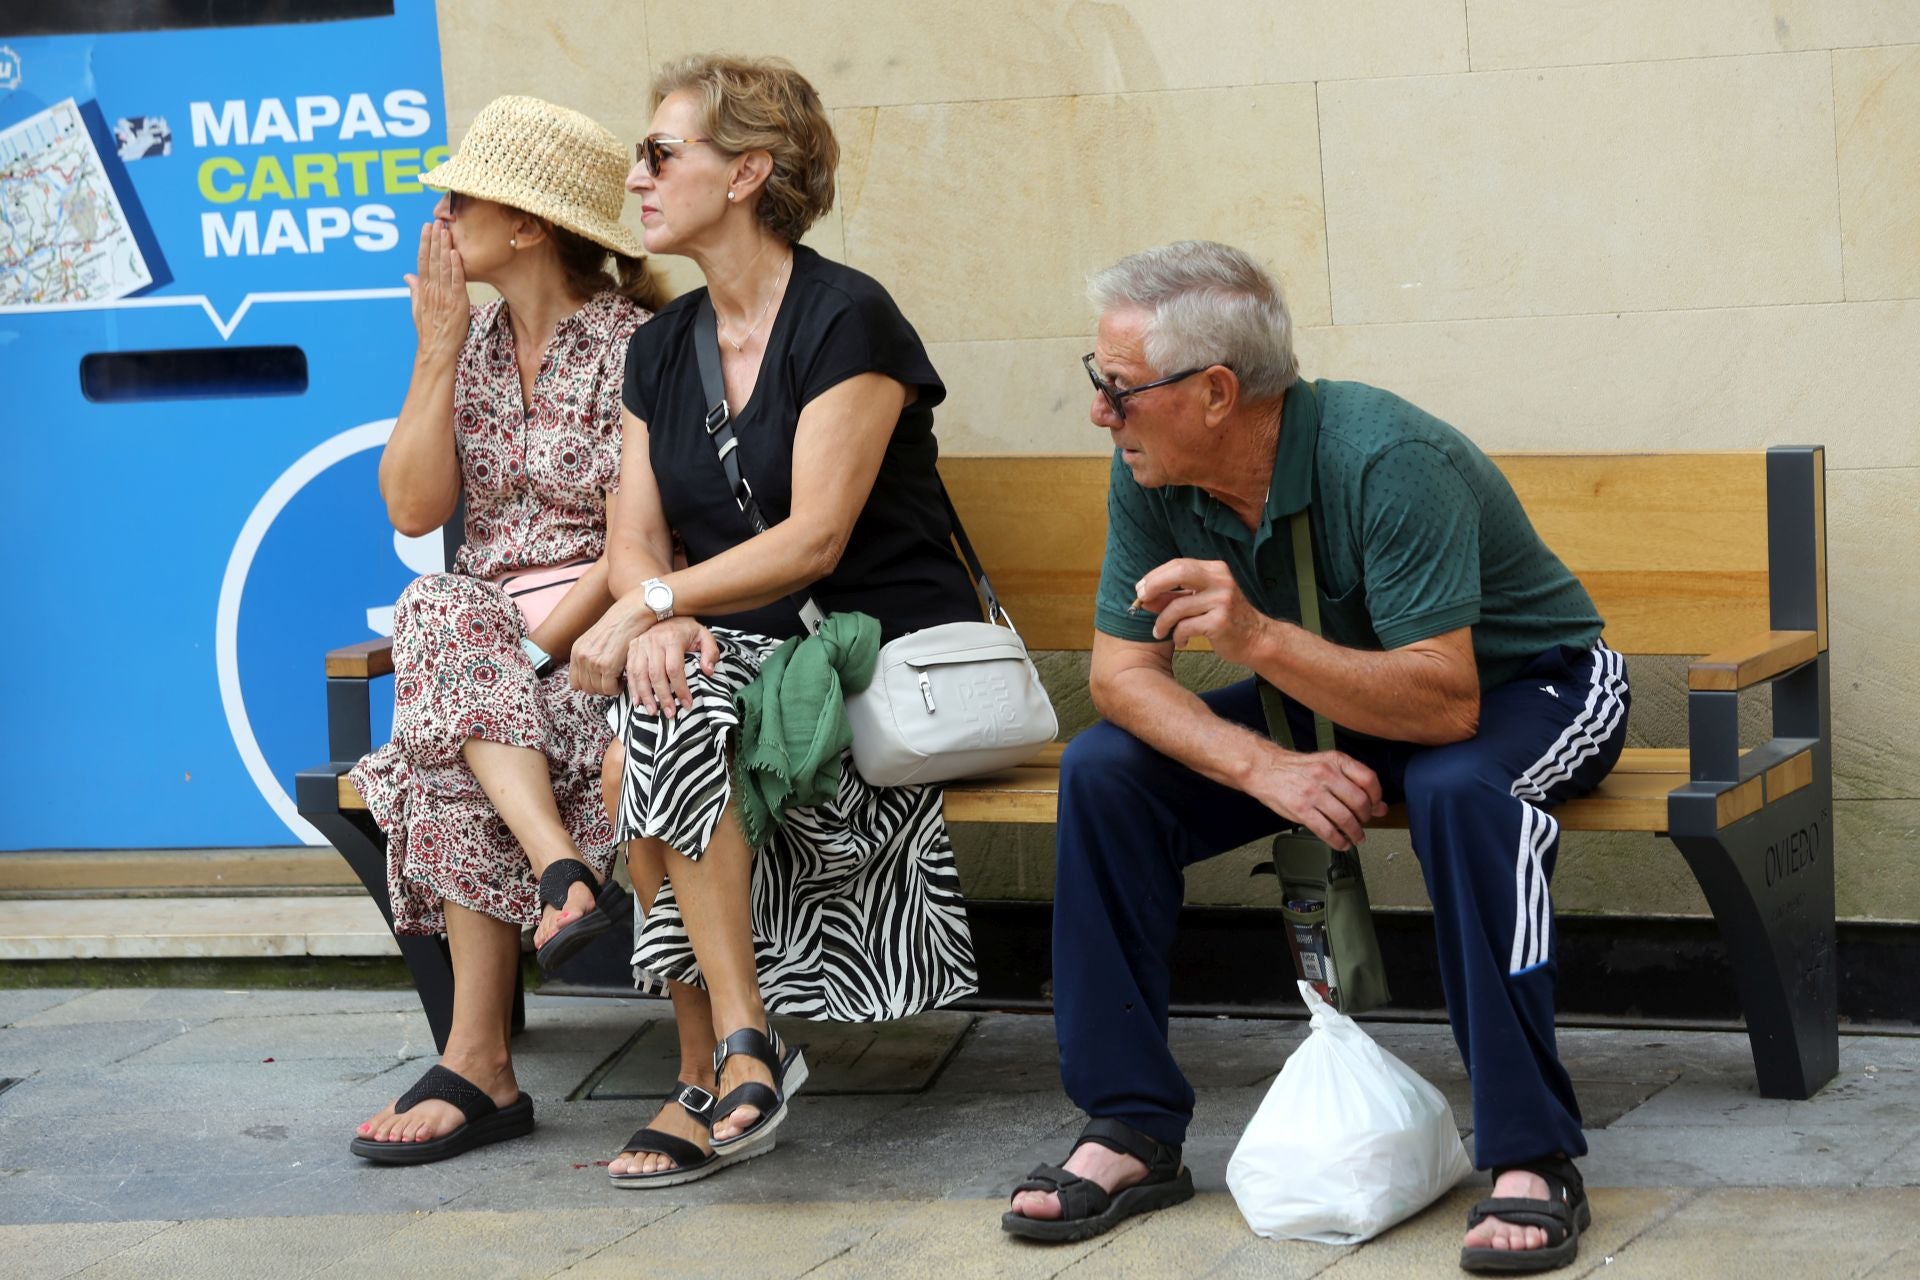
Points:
[1200,598]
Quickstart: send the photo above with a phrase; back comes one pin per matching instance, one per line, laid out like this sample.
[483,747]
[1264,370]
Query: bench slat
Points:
[1653,760]
[1672,546]
[1632,798]
[1632,760]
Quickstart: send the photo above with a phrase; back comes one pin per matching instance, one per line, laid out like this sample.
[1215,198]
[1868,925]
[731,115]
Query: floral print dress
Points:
[535,472]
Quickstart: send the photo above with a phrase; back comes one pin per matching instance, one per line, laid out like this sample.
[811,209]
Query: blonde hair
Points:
[763,104]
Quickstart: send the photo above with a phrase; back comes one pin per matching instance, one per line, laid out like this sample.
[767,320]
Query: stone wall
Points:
[1586,224]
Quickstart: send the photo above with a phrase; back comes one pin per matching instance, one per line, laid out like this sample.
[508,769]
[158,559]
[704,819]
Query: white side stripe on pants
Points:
[1579,742]
[1533,908]
[1581,739]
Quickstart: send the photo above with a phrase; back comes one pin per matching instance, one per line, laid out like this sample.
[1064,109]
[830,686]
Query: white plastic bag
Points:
[1348,1141]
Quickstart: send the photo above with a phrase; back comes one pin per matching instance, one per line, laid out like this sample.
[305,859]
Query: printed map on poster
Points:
[64,236]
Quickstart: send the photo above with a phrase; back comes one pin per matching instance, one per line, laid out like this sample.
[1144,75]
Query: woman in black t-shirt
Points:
[851,910]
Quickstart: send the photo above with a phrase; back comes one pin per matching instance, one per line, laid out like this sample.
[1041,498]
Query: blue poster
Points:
[205,335]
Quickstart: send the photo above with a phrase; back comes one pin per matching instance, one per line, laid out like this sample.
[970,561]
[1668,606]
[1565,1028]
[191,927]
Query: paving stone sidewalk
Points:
[201,1132]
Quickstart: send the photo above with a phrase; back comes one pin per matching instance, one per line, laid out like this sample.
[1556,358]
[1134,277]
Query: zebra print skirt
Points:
[856,904]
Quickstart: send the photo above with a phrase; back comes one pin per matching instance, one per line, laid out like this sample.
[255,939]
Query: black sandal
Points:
[1086,1208]
[789,1070]
[690,1163]
[568,940]
[487,1121]
[1563,1215]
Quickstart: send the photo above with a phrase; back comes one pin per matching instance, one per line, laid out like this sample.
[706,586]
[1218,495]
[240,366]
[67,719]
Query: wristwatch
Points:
[658,597]
[542,660]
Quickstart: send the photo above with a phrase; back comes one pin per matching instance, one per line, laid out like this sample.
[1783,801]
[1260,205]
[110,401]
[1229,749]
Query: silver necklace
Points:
[772,293]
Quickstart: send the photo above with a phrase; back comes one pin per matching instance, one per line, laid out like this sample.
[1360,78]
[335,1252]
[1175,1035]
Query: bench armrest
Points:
[350,672]
[361,661]
[1756,659]
[1726,784]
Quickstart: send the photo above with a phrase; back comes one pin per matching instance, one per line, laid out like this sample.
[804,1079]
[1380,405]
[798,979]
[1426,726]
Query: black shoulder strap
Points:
[719,424]
[995,611]
[1307,585]
[1300,530]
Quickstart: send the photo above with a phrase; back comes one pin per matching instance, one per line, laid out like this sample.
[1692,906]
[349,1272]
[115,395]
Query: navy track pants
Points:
[1131,820]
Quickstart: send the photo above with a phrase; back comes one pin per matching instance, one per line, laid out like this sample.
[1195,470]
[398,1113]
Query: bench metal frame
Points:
[1757,829]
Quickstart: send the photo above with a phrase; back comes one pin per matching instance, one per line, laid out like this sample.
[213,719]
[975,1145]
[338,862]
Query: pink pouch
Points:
[538,591]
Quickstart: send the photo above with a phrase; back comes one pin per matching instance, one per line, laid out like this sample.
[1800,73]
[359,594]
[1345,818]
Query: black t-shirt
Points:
[833,324]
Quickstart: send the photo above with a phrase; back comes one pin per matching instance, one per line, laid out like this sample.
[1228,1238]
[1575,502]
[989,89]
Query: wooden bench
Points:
[1722,554]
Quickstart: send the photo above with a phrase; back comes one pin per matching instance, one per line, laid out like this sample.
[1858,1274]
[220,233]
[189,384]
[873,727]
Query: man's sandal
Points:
[1086,1208]
[1563,1215]
[487,1121]
[690,1163]
[789,1069]
[567,940]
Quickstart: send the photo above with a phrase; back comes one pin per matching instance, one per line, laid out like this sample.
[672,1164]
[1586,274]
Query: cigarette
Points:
[1139,604]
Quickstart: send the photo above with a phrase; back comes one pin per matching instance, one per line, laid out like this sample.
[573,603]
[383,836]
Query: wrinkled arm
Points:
[639,543]
[1427,692]
[420,468]
[1329,792]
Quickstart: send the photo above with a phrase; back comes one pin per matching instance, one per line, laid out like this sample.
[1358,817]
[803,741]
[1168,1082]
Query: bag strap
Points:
[992,601]
[1307,583]
[719,425]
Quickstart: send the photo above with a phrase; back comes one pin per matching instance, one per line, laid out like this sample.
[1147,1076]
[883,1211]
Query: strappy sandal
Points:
[1563,1215]
[789,1070]
[568,940]
[487,1121]
[1086,1208]
[690,1163]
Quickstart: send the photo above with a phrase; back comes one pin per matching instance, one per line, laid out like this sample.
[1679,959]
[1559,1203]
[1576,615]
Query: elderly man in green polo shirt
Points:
[1459,663]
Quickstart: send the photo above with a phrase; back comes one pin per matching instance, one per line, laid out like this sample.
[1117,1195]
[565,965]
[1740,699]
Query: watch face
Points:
[659,597]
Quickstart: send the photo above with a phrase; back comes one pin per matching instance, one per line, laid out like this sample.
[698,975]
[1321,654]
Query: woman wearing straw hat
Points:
[488,793]
[849,909]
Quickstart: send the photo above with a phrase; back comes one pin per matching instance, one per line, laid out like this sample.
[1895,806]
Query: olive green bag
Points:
[1339,933]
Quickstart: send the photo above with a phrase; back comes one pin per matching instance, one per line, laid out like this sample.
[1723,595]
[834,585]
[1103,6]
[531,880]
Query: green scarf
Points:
[793,721]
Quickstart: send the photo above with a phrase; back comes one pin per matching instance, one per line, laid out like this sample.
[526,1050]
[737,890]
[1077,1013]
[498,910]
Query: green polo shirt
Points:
[1415,533]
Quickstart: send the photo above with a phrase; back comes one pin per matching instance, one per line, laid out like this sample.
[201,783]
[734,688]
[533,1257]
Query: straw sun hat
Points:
[548,161]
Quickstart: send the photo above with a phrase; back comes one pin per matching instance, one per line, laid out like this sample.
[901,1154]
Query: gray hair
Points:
[1207,303]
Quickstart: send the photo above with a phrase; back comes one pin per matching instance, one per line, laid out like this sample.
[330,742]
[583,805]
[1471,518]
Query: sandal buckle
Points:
[695,1098]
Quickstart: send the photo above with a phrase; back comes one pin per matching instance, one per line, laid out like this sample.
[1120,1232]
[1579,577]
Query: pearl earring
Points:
[513,242]
[729,194]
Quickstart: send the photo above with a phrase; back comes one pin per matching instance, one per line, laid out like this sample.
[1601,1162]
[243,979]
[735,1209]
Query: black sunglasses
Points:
[1117,396]
[653,154]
